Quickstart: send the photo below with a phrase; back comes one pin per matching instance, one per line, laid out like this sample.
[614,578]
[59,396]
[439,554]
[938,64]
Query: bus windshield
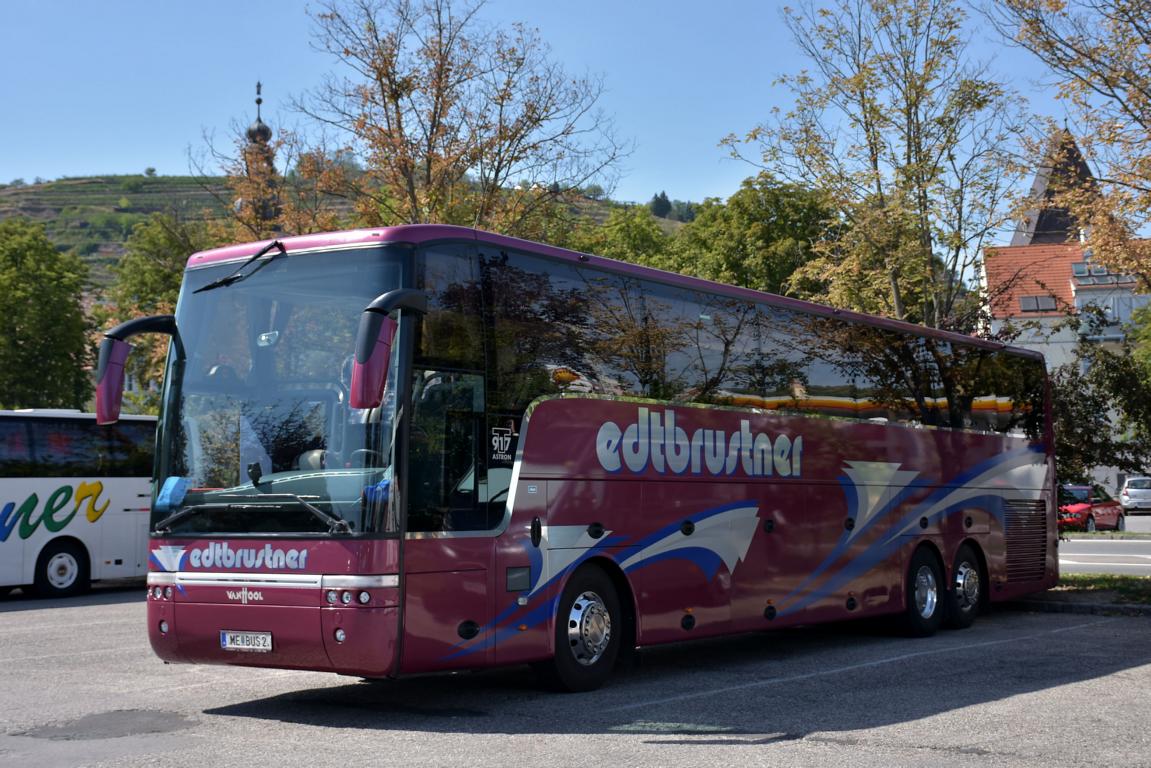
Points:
[259,436]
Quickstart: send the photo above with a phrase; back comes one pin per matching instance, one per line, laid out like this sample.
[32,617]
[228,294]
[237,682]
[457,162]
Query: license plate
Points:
[256,642]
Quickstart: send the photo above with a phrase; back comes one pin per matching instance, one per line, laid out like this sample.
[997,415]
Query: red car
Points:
[1088,508]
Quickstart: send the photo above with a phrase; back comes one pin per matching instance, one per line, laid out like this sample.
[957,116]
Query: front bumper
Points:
[308,632]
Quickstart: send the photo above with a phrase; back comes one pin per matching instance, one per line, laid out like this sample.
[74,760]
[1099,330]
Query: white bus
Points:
[74,499]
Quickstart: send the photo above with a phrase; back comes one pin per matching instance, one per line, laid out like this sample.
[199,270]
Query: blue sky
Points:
[115,86]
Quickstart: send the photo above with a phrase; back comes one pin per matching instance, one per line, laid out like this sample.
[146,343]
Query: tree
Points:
[1099,53]
[630,234]
[757,239]
[147,282]
[44,352]
[910,142]
[1102,407]
[660,206]
[446,114]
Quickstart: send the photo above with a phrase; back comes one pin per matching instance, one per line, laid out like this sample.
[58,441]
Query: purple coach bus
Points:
[424,448]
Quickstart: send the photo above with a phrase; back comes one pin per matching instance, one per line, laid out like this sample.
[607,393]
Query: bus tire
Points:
[965,597]
[588,631]
[926,594]
[62,570]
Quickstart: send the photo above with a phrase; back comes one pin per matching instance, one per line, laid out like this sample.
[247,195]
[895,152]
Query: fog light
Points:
[168,592]
[341,635]
[163,627]
[346,598]
[365,598]
[331,596]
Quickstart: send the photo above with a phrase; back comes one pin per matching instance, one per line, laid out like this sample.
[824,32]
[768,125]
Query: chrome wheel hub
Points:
[967,586]
[62,570]
[589,628]
[926,592]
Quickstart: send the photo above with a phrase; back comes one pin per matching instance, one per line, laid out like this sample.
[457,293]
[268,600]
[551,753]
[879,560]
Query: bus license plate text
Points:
[258,642]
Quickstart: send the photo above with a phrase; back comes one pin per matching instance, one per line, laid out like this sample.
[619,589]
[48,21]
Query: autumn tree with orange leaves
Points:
[454,121]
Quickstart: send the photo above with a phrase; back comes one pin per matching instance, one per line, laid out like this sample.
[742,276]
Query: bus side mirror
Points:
[114,351]
[373,355]
[374,340]
[110,379]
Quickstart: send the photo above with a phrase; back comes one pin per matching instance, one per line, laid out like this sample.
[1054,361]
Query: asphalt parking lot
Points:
[79,686]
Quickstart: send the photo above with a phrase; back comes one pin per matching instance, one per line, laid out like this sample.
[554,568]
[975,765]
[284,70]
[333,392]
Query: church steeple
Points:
[1063,168]
[259,132]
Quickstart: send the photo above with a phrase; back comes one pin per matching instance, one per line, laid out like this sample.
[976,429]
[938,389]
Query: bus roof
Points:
[416,234]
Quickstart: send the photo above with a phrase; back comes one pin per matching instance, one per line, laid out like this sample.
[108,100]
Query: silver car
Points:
[1135,496]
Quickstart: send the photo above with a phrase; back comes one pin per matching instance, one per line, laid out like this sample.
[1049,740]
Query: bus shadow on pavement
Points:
[111,593]
[751,689]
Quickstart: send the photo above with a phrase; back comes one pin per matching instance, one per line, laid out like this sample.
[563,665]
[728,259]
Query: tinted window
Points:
[450,334]
[130,448]
[15,448]
[67,448]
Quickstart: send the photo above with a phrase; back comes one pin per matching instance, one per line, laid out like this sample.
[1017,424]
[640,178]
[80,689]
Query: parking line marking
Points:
[851,667]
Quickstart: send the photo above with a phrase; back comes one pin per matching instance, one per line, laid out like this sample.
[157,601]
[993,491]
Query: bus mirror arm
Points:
[114,354]
[374,344]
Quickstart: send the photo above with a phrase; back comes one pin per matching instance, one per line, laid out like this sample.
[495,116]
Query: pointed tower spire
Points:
[1063,168]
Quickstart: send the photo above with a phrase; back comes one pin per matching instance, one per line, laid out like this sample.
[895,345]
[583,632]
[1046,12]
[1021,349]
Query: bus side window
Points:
[15,449]
[68,448]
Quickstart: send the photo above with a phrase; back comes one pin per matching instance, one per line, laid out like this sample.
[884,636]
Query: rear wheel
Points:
[965,598]
[1121,523]
[925,594]
[589,626]
[62,570]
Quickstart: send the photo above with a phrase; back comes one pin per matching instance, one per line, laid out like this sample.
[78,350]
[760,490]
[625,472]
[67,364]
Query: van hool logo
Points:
[220,555]
[654,439]
[245,595]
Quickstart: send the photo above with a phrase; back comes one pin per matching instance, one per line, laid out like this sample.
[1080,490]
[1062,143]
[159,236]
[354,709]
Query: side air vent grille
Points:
[1026,524]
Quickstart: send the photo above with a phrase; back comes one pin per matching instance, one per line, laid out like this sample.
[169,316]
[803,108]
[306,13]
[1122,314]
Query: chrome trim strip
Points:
[286,580]
[158,577]
[361,582]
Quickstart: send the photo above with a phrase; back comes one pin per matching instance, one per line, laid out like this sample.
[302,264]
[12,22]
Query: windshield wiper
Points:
[239,274]
[335,524]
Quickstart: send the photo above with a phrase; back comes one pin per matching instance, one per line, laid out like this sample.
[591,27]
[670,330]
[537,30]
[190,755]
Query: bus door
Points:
[452,518]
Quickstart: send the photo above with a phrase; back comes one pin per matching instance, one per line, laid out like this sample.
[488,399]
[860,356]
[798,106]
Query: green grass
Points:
[1105,588]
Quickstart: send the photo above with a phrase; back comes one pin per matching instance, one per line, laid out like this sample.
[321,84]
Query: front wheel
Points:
[965,598]
[925,593]
[1091,525]
[62,570]
[589,626]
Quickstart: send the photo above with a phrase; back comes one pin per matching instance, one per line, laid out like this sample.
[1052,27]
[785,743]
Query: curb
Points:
[1097,609]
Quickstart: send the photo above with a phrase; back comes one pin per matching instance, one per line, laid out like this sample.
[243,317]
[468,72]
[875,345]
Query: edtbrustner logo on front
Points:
[220,555]
[654,439]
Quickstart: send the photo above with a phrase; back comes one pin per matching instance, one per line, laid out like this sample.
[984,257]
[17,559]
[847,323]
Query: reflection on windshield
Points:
[257,417]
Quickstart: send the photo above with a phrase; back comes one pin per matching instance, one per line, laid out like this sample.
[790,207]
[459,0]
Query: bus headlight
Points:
[331,597]
[346,598]
[365,598]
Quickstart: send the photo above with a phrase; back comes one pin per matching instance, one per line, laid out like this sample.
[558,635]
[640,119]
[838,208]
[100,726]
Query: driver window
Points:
[447,474]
